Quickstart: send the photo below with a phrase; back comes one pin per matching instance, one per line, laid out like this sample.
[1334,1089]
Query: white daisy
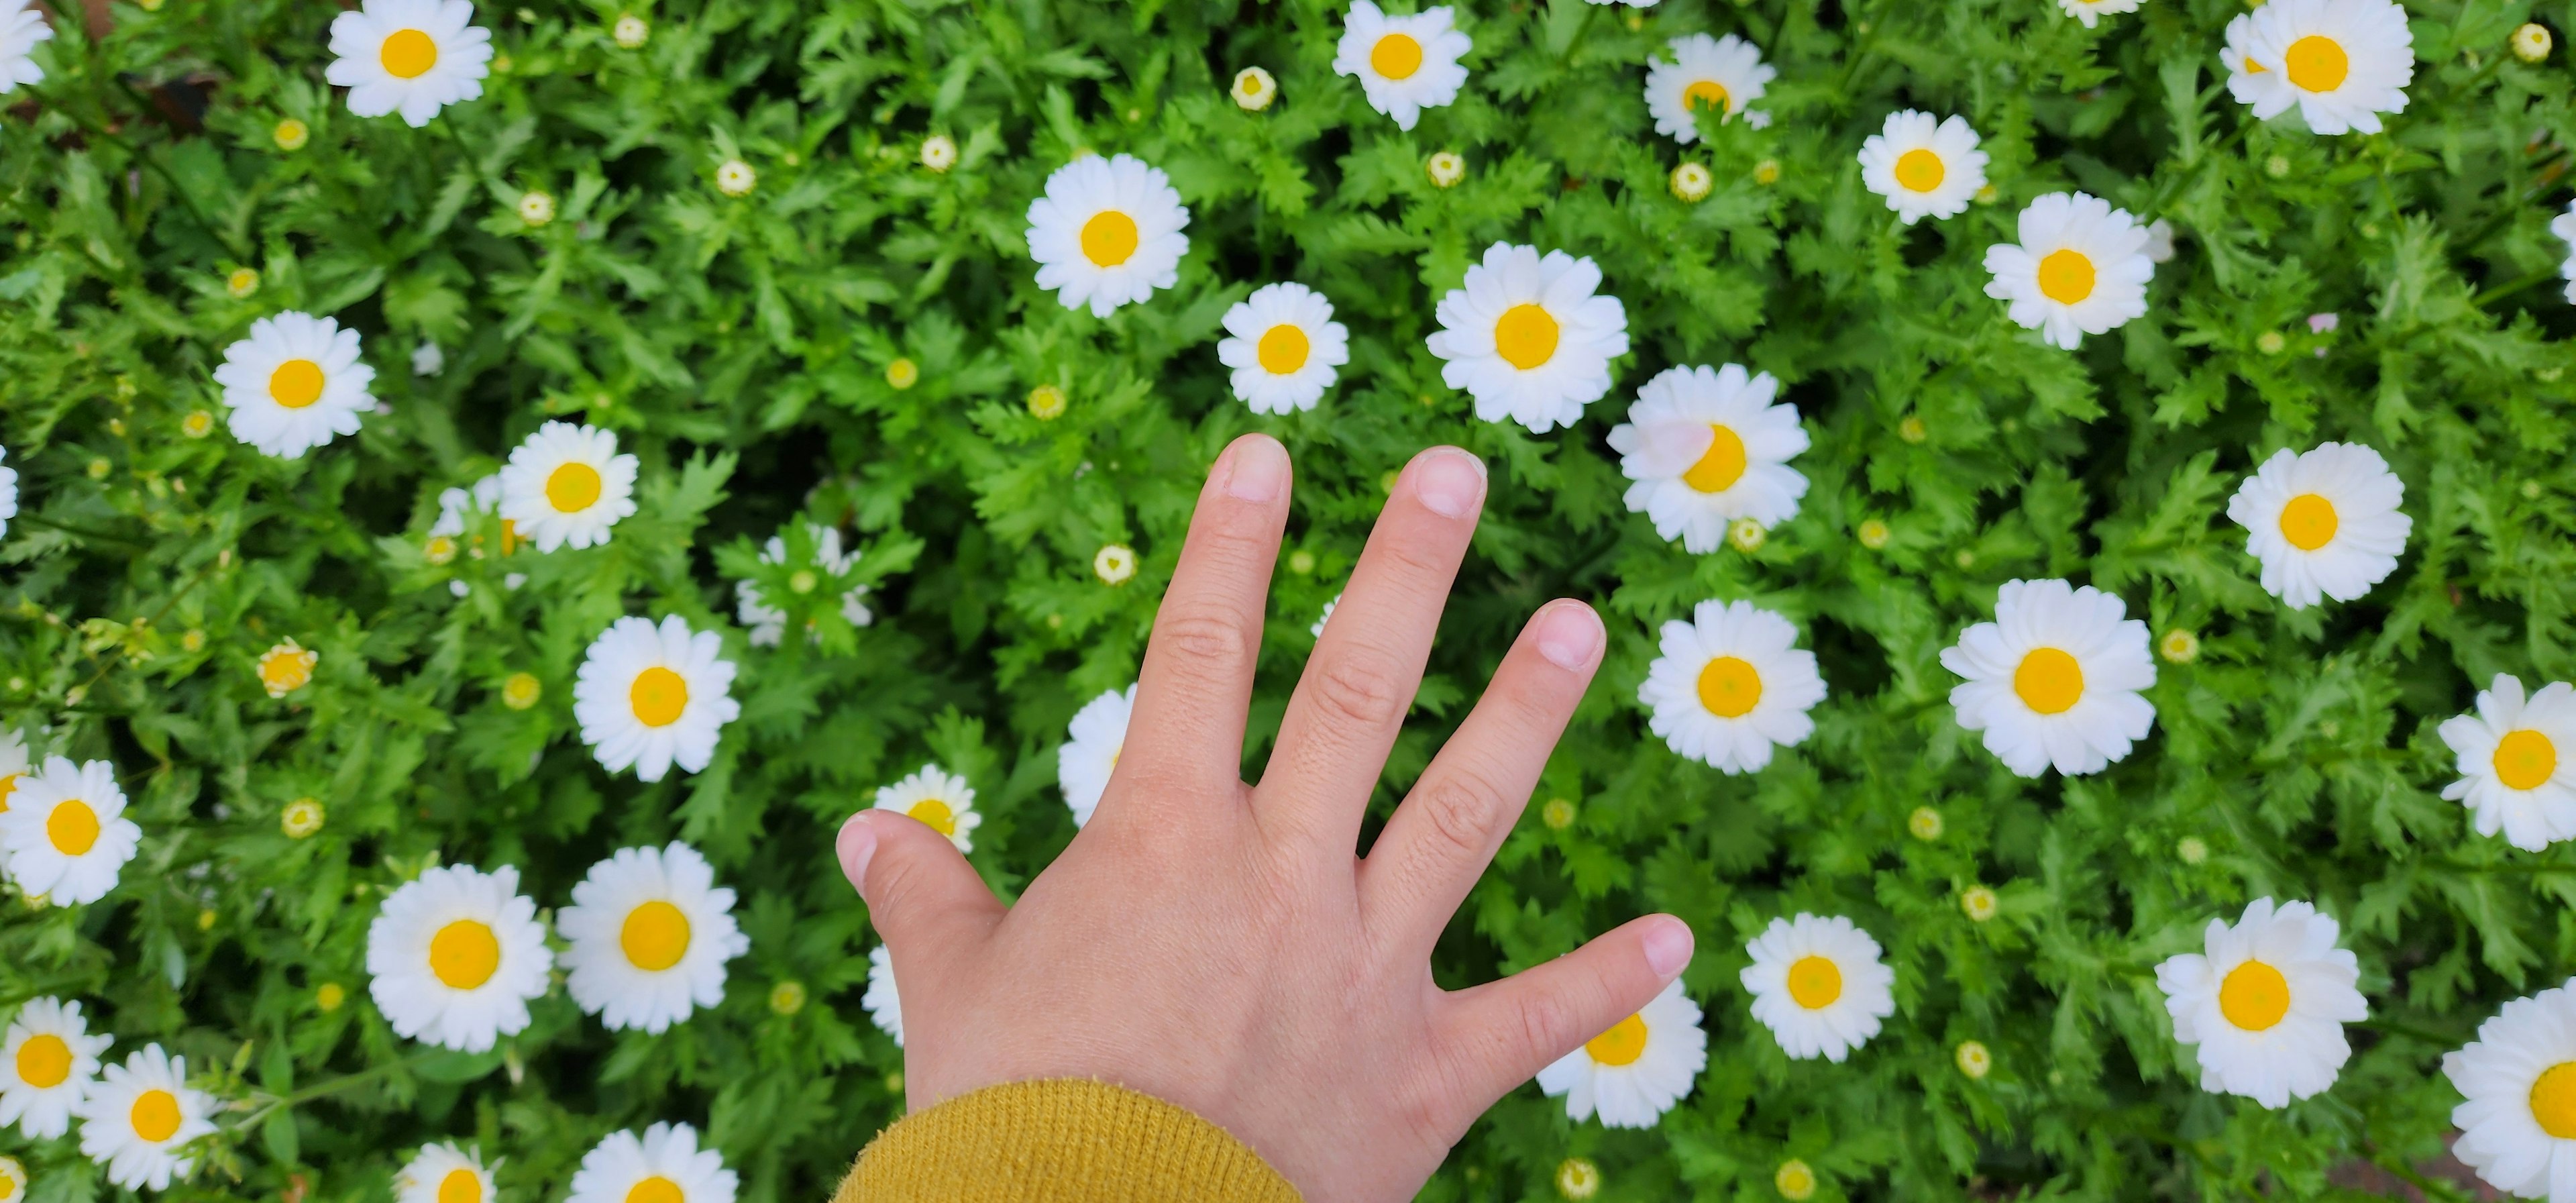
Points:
[650,933]
[2564,226]
[443,1173]
[13,1179]
[1404,64]
[1107,232]
[1528,337]
[2343,62]
[8,493]
[1706,447]
[2081,268]
[649,697]
[1925,168]
[1635,1072]
[2513,774]
[2090,11]
[1090,750]
[138,1116]
[1819,985]
[20,33]
[455,955]
[1326,616]
[457,506]
[2518,1119]
[2266,1003]
[2324,524]
[768,623]
[65,833]
[1284,346]
[1730,685]
[294,384]
[412,57]
[2055,678]
[47,1061]
[1726,74]
[666,1166]
[883,1004]
[945,803]
[567,484]
[13,766]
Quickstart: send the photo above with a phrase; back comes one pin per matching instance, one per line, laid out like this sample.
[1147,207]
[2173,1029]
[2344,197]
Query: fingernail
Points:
[856,843]
[1668,946]
[1450,482]
[1570,635]
[1257,469]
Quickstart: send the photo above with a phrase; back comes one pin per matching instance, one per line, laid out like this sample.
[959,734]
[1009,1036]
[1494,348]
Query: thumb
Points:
[921,893]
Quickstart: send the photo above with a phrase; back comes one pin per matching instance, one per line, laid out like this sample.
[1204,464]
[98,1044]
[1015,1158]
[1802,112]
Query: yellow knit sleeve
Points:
[1060,1141]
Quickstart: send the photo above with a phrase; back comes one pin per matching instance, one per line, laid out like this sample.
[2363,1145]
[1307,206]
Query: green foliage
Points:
[742,348]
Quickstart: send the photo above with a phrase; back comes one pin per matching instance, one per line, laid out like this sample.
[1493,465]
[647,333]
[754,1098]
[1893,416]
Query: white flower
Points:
[8,494]
[2343,62]
[441,1173]
[1635,1072]
[650,932]
[567,484]
[2513,774]
[2090,11]
[2081,268]
[945,803]
[2564,226]
[2266,1003]
[939,152]
[20,33]
[666,1166]
[47,1061]
[1107,232]
[1254,89]
[2055,678]
[1404,64]
[649,697]
[1726,74]
[1090,750]
[1283,345]
[2324,524]
[536,208]
[1925,168]
[1317,630]
[1528,337]
[13,765]
[1818,985]
[137,1116]
[457,506]
[630,32]
[1706,447]
[768,623]
[295,382]
[454,956]
[736,178]
[427,359]
[1730,685]
[2160,241]
[65,833]
[1114,563]
[412,57]
[2518,1078]
[883,1004]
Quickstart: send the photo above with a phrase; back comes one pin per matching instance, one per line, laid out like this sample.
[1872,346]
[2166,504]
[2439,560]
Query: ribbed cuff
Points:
[1059,1141]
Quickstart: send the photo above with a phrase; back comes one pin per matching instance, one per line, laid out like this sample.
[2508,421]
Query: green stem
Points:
[2501,291]
[263,1104]
[82,531]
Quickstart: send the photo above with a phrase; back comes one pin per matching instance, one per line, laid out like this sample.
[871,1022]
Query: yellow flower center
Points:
[2316,64]
[2066,277]
[1721,465]
[1794,1181]
[1705,94]
[1621,1045]
[464,954]
[1282,350]
[2525,759]
[1919,170]
[460,1186]
[1815,982]
[2254,996]
[155,1116]
[44,1060]
[73,827]
[2308,522]
[8,786]
[1109,238]
[655,936]
[1729,687]
[1396,56]
[572,488]
[935,814]
[1525,336]
[408,54]
[296,383]
[658,696]
[2049,681]
[2553,1100]
[8,1186]
[285,670]
[656,1189]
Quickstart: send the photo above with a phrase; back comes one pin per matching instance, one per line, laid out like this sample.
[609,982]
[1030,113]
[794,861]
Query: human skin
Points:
[1222,946]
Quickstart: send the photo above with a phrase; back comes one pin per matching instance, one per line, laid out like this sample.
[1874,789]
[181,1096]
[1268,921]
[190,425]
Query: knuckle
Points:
[1547,1026]
[1355,689]
[1459,808]
[1202,637]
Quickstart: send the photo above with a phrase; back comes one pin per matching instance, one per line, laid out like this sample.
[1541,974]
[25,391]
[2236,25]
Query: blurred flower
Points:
[736,178]
[1046,403]
[442,1173]
[1691,182]
[884,1005]
[328,996]
[1794,1180]
[1873,534]
[567,484]
[1973,1059]
[665,1166]
[768,623]
[787,998]
[20,33]
[2160,241]
[1405,64]
[198,424]
[427,359]
[1723,75]
[1766,172]
[1090,750]
[137,1116]
[1578,1179]
[301,818]
[2531,42]
[1558,814]
[2271,342]
[241,283]
[2341,62]
[287,667]
[1114,564]
[1254,89]
[938,152]
[2323,323]
[630,32]
[1979,903]
[2512,757]
[294,384]
[2192,849]
[1445,168]
[290,134]
[1924,168]
[2179,646]
[48,1062]
[2091,11]
[521,690]
[536,208]
[2517,1082]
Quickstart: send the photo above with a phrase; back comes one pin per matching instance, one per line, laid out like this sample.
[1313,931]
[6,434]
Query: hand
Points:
[1220,945]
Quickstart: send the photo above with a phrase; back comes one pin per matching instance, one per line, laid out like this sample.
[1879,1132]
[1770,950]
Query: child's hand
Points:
[1220,945]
